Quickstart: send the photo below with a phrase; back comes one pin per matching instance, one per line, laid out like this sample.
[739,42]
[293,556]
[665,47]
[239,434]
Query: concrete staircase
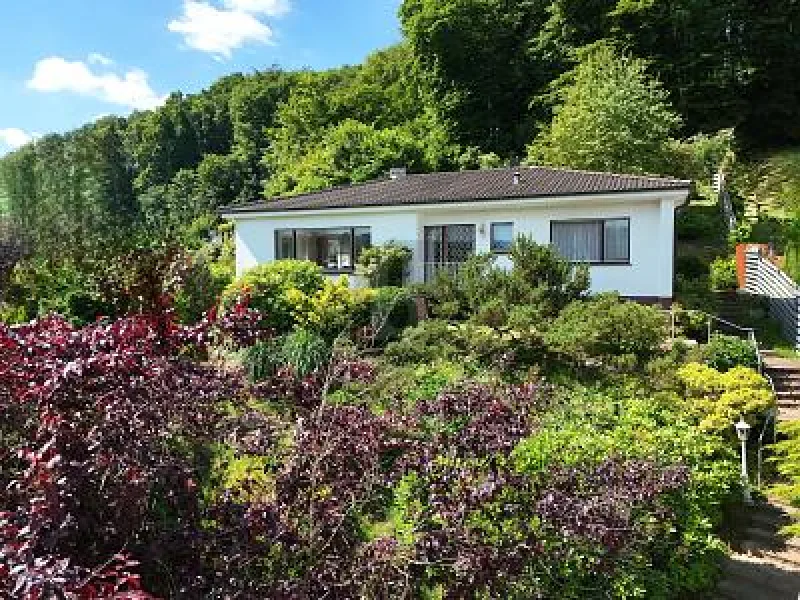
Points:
[785,375]
[765,566]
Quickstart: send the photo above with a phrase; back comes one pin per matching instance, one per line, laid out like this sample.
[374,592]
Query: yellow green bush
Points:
[329,310]
[294,293]
[279,289]
[786,459]
[717,399]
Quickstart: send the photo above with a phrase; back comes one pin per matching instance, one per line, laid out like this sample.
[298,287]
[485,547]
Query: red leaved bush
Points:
[101,418]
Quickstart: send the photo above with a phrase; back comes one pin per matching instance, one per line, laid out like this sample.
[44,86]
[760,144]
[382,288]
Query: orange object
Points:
[741,260]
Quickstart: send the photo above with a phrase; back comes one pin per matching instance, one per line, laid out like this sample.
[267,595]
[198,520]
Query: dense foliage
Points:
[722,274]
[384,265]
[786,459]
[98,424]
[609,328]
[443,466]
[473,84]
[537,286]
[725,352]
[612,118]
[300,440]
[720,399]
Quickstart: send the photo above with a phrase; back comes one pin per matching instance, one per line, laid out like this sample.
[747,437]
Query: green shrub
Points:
[479,281]
[786,458]
[305,351]
[698,223]
[792,261]
[12,314]
[717,400]
[741,234]
[459,295]
[82,307]
[691,266]
[541,277]
[392,310]
[302,350]
[384,265]
[725,352]
[430,340]
[279,289]
[539,280]
[693,292]
[401,387]
[201,283]
[493,313]
[595,426]
[262,359]
[480,345]
[690,323]
[723,274]
[330,311]
[607,327]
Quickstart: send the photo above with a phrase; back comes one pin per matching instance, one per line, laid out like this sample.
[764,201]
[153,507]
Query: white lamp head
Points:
[742,430]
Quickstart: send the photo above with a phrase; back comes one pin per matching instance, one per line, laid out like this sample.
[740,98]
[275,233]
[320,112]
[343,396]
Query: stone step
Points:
[770,519]
[758,537]
[771,581]
[783,367]
[789,413]
[786,388]
[789,559]
[788,375]
[758,585]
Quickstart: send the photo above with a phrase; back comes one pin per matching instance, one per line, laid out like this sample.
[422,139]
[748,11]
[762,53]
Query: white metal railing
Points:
[719,183]
[763,278]
[727,210]
[710,320]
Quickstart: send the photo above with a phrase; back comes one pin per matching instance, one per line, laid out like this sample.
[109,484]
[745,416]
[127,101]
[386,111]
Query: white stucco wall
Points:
[255,237]
[650,272]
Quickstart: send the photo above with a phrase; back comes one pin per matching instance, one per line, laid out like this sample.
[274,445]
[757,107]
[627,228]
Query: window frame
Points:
[602,221]
[492,248]
[347,270]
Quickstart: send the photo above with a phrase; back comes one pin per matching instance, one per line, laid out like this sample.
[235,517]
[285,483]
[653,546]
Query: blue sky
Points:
[66,62]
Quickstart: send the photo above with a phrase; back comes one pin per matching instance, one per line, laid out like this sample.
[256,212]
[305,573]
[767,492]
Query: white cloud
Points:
[14,138]
[132,89]
[220,31]
[272,8]
[95,58]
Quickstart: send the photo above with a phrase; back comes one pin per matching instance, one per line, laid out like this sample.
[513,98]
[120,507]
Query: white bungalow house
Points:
[622,225]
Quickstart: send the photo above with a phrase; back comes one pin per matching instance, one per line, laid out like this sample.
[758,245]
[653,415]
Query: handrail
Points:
[710,317]
[772,414]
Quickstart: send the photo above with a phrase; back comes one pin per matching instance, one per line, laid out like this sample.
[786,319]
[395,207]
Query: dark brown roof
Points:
[464,186]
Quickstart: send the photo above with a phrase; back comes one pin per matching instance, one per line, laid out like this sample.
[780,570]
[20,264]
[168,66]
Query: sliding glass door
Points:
[446,247]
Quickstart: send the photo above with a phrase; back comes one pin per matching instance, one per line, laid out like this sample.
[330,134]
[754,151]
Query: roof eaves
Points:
[264,206]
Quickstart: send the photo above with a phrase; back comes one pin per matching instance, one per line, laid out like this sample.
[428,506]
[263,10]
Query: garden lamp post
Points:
[743,432]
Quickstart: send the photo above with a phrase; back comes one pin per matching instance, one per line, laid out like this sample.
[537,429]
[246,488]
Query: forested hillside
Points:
[474,83]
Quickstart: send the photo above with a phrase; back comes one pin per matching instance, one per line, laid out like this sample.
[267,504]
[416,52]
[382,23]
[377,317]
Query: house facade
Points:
[621,225]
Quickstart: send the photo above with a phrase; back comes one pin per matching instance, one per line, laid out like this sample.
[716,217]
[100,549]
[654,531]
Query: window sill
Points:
[605,264]
[338,271]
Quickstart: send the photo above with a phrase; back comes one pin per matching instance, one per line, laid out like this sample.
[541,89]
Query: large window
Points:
[335,249]
[592,241]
